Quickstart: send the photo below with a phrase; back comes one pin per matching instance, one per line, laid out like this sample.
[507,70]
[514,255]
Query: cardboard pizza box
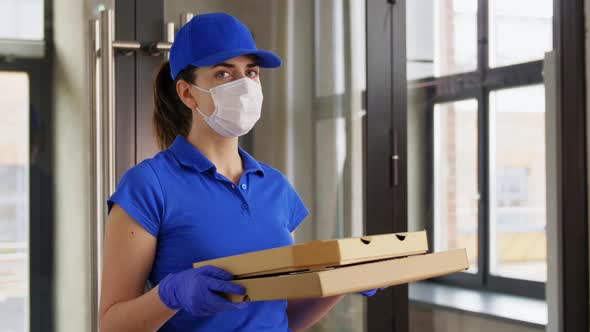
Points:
[350,279]
[321,254]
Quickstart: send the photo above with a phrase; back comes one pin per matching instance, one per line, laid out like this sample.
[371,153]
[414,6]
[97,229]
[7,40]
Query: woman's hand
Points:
[195,291]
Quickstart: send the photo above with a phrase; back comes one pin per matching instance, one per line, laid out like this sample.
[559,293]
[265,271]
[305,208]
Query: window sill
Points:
[511,308]
[26,49]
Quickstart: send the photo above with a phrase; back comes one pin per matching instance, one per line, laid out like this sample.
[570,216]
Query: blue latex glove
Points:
[370,292]
[195,291]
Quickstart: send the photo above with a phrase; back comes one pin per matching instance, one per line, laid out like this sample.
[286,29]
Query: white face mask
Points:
[238,105]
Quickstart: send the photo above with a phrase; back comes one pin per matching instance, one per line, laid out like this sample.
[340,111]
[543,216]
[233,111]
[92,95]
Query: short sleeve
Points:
[298,209]
[140,194]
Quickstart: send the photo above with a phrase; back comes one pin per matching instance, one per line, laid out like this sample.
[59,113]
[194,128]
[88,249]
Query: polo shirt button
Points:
[244,206]
[244,186]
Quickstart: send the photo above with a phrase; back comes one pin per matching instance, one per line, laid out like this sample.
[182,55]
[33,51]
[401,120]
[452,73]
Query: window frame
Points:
[478,85]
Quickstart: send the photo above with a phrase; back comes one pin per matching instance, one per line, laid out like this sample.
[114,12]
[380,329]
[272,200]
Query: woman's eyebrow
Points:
[224,64]
[229,65]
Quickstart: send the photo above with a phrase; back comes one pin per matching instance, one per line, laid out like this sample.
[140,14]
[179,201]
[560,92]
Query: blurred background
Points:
[466,118]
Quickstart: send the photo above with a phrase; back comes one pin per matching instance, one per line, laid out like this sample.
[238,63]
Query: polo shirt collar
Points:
[249,163]
[189,156]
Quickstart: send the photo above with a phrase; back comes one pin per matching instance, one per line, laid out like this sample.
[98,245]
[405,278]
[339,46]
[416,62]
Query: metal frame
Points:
[478,85]
[95,213]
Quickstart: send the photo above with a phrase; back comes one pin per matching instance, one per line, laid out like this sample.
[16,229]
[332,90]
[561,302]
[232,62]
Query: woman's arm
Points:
[307,312]
[129,252]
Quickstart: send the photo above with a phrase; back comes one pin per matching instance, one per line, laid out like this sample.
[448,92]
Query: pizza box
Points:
[322,254]
[351,279]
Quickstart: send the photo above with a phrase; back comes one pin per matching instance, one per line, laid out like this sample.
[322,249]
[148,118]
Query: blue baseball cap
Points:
[209,39]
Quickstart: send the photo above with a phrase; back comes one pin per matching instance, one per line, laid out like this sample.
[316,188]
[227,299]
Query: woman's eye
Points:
[252,73]
[222,74]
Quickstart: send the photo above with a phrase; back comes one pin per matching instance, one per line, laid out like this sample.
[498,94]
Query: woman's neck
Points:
[221,151]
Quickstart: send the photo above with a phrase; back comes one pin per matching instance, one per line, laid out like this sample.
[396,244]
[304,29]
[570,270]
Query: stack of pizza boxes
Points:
[332,267]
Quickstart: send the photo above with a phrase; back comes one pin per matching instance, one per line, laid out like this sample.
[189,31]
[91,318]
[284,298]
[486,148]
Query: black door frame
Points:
[572,209]
[385,147]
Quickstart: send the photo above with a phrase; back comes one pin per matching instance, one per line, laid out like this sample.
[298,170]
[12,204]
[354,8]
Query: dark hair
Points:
[171,116]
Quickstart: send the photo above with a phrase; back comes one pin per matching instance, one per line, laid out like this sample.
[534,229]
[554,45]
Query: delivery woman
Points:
[201,198]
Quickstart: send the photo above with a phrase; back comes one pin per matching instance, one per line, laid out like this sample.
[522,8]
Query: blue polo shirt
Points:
[197,214]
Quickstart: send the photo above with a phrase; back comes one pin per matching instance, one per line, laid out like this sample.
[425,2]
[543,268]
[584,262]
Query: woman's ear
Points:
[184,90]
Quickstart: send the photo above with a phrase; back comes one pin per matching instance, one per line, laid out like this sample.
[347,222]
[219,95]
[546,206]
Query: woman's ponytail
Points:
[171,116]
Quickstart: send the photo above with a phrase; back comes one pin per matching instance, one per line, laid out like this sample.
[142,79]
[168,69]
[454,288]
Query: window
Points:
[441,37]
[517,171]
[482,107]
[14,201]
[511,186]
[21,19]
[22,32]
[455,178]
[520,31]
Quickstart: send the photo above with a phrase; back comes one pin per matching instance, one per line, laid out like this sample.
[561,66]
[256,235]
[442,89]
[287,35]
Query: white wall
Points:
[72,288]
[72,165]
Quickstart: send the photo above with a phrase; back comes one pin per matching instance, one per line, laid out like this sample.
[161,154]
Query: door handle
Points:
[105,49]
[96,171]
